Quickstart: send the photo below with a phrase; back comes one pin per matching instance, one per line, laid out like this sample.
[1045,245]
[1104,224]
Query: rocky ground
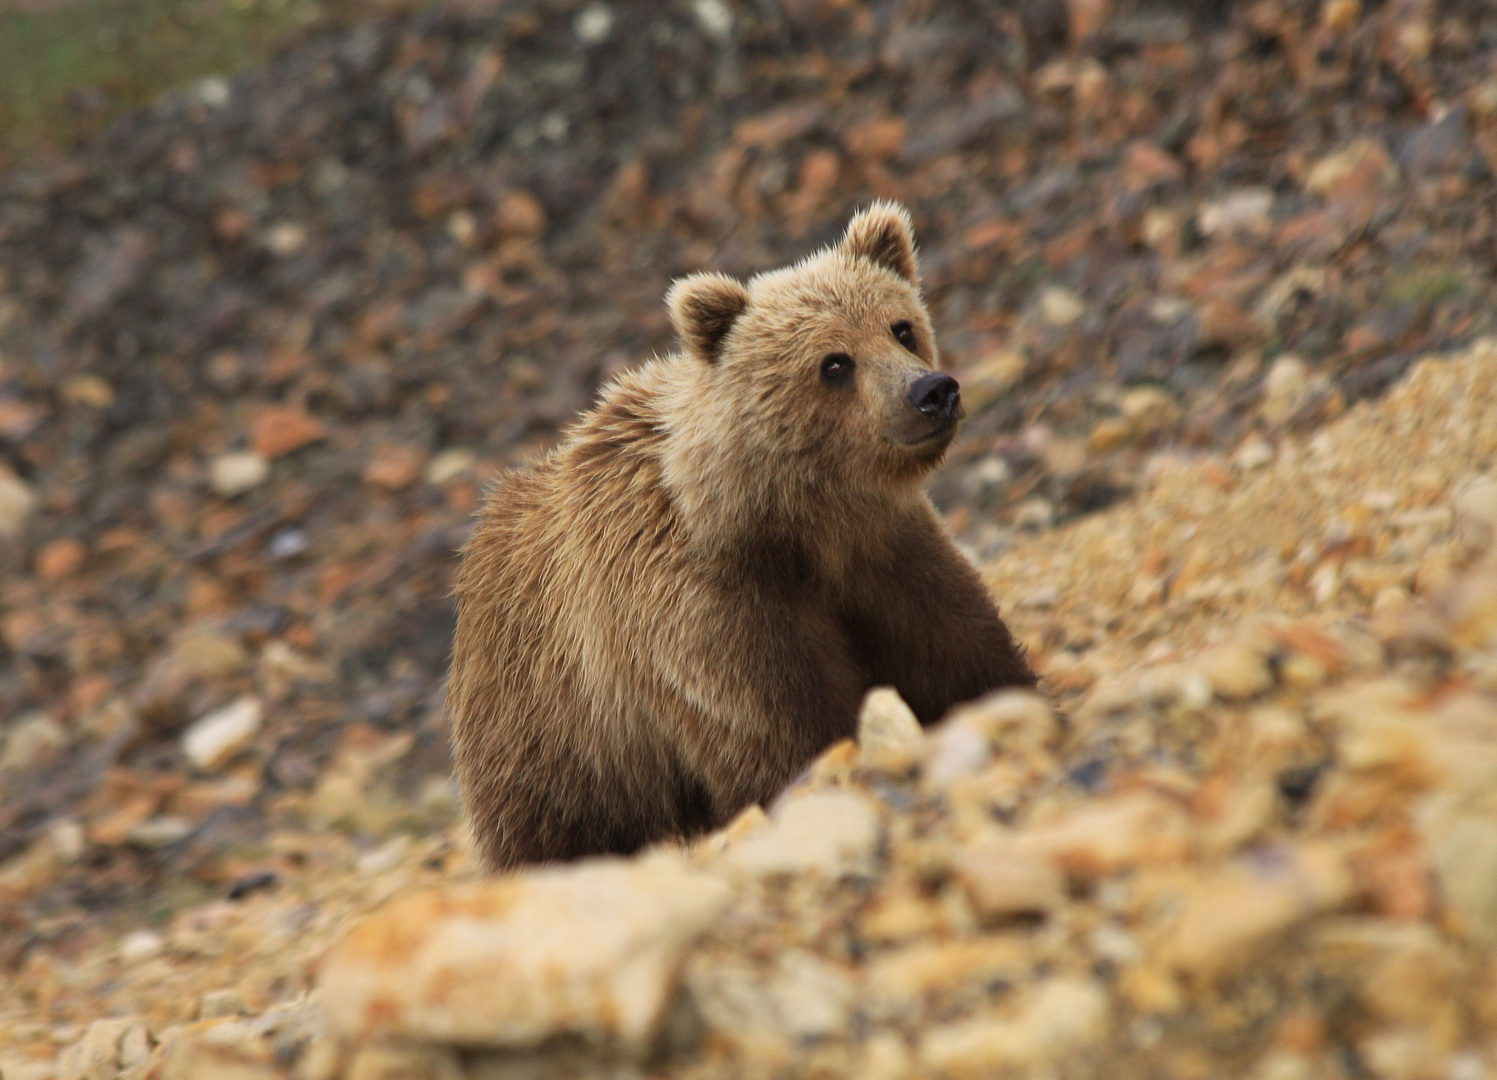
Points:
[261,346]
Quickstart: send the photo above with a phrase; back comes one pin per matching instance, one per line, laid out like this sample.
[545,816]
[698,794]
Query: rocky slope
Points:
[1258,841]
[262,345]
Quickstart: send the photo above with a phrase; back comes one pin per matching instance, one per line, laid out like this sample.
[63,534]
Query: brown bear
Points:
[671,614]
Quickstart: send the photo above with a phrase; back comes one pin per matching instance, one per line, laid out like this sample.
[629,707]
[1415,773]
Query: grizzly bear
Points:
[671,614]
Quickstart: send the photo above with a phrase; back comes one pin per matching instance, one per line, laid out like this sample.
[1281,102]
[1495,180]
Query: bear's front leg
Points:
[922,621]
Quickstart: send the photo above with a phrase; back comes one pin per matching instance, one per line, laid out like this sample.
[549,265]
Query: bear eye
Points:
[835,367]
[904,333]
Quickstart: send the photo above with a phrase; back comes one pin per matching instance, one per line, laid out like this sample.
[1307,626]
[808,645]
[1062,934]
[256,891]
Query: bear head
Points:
[810,394]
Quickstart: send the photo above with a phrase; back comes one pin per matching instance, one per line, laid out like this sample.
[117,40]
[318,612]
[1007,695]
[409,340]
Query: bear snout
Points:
[937,396]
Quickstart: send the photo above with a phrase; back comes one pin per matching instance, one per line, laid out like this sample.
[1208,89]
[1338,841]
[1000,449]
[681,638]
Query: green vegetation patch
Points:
[67,67]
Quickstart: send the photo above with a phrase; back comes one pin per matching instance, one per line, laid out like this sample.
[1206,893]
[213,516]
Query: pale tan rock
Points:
[803,996]
[1002,883]
[224,1050]
[33,740]
[1236,671]
[1148,410]
[1229,912]
[830,832]
[17,504]
[1462,848]
[590,950]
[1062,1015]
[1111,834]
[233,474]
[1009,719]
[889,735]
[217,737]
[449,465]
[885,1057]
[221,1004]
[1364,159]
[1475,506]
[1246,210]
[1244,812]
[96,1056]
[404,1063]
[1284,388]
[900,981]
[1404,973]
[1059,306]
[1404,1054]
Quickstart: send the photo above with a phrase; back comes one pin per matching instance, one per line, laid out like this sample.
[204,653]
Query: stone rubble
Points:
[1250,831]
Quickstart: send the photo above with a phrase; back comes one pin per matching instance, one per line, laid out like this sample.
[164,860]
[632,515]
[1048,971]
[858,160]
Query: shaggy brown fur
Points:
[671,614]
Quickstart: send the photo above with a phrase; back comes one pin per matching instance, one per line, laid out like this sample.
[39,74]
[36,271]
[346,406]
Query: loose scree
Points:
[668,616]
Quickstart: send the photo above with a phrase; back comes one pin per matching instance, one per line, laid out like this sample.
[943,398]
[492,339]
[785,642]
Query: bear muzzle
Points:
[937,396]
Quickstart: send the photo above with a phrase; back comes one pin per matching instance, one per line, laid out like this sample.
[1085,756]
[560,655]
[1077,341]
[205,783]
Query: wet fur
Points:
[671,614]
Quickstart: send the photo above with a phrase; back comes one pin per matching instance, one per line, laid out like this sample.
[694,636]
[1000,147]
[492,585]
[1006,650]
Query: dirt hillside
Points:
[262,345]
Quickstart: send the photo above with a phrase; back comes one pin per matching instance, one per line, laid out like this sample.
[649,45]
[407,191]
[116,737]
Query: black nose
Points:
[936,395]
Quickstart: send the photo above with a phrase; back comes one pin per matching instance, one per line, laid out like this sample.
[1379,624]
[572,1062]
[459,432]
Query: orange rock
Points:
[281,429]
[60,559]
[394,466]
[520,214]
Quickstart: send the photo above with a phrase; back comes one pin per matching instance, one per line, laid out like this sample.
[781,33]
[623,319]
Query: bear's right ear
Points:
[703,307]
[885,236]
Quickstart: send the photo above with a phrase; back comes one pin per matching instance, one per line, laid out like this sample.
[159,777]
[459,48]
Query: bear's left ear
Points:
[703,307]
[884,234]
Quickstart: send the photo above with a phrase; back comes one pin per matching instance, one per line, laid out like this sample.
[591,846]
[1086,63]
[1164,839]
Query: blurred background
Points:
[284,284]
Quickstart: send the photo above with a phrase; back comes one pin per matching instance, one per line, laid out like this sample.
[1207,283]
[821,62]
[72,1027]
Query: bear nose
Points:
[936,395]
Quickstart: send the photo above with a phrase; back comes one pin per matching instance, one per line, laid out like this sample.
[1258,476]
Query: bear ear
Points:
[885,235]
[703,307]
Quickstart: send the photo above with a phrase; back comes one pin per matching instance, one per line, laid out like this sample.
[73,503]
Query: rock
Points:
[1060,307]
[1476,511]
[33,740]
[1127,830]
[1149,411]
[449,465]
[991,377]
[17,503]
[1254,453]
[404,1063]
[1002,884]
[826,832]
[231,1050]
[1284,388]
[1236,671]
[394,466]
[715,18]
[902,982]
[1253,900]
[231,475]
[1062,1015]
[591,951]
[61,559]
[281,429]
[889,736]
[520,213]
[140,945]
[218,1004]
[158,832]
[1009,720]
[1462,849]
[211,742]
[804,996]
[1363,168]
[285,238]
[1035,514]
[955,751]
[104,1049]
[1249,210]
